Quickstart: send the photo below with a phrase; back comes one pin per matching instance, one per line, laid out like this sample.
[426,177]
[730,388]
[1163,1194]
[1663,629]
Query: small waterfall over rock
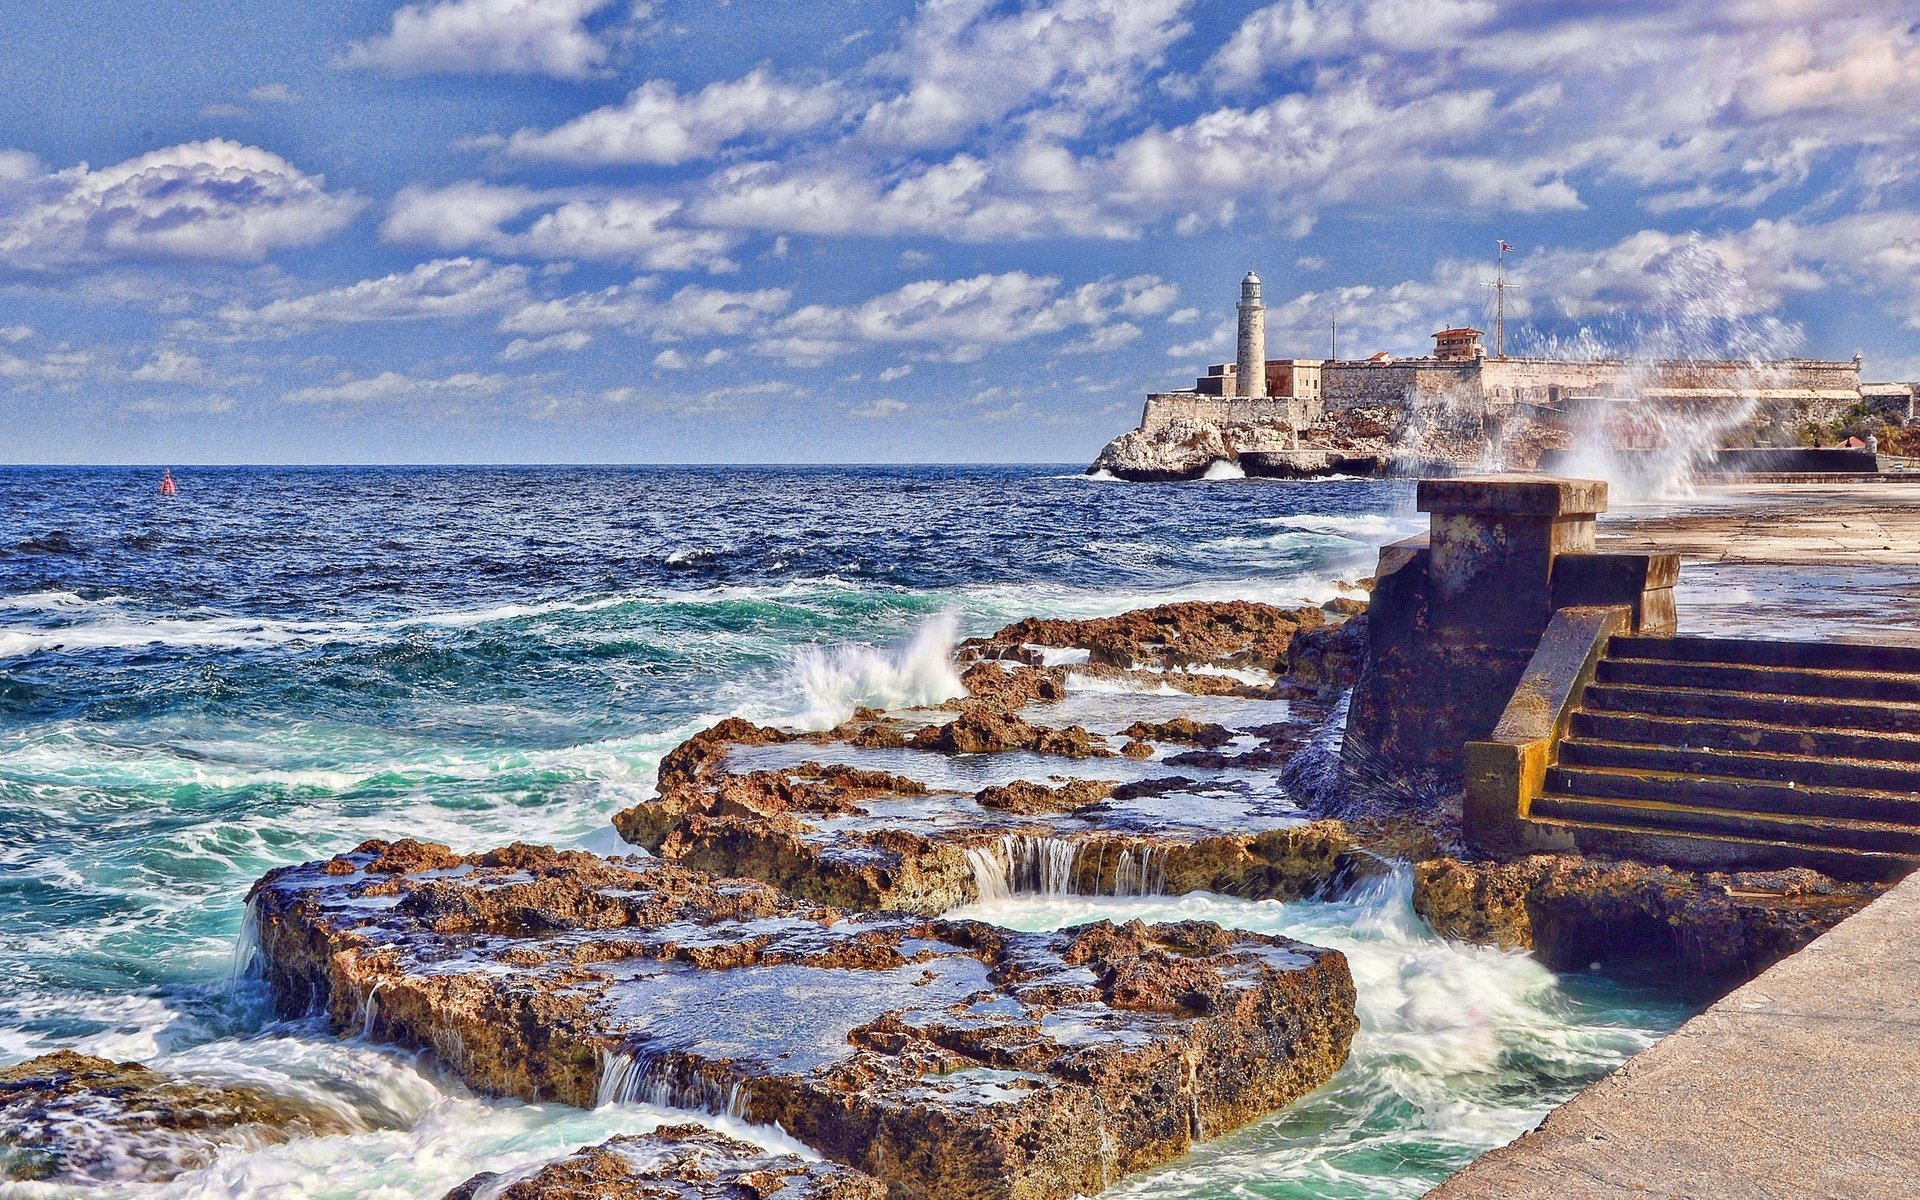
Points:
[1030,865]
[638,1077]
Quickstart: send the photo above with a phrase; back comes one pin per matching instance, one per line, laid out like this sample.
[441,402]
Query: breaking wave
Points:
[832,683]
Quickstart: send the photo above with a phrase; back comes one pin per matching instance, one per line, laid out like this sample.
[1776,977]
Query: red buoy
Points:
[167,487]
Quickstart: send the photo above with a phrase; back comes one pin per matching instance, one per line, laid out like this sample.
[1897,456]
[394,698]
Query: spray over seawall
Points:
[1699,367]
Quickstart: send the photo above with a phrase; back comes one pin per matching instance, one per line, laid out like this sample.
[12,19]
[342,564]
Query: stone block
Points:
[1643,582]
[1513,496]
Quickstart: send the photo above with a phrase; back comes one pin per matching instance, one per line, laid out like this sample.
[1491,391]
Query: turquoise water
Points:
[278,664]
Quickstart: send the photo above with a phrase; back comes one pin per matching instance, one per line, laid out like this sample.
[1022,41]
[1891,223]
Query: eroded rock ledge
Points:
[74,1119]
[676,1162]
[943,1057]
[897,811]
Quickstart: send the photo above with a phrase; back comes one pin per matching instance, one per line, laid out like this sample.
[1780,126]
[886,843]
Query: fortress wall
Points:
[1420,381]
[1163,408]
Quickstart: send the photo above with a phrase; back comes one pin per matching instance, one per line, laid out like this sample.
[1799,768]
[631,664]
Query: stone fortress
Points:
[1460,407]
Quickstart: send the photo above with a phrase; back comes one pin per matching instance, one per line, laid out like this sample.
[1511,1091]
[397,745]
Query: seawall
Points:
[1800,1084]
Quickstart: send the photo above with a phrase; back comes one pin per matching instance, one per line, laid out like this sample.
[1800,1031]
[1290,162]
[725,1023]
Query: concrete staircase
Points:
[1723,751]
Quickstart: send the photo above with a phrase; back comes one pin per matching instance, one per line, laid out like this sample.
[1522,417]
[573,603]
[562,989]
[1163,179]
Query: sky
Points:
[951,230]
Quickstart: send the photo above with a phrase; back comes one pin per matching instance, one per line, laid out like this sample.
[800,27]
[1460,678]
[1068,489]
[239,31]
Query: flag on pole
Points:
[1505,249]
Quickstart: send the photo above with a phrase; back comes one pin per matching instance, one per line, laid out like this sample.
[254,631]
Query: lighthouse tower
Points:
[1250,368]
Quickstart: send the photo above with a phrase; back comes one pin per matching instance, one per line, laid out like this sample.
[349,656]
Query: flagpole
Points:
[1500,303]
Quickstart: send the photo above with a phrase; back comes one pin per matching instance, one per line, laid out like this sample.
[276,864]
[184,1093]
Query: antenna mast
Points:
[1334,354]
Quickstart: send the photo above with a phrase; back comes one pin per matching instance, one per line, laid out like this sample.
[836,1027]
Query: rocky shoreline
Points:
[781,954]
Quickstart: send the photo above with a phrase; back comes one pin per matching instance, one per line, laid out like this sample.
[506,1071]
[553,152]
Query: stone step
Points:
[1781,768]
[1832,832]
[1814,711]
[1688,732]
[1779,681]
[1762,652]
[1739,795]
[1686,848]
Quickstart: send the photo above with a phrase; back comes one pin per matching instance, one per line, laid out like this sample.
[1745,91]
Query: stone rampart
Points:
[1165,408]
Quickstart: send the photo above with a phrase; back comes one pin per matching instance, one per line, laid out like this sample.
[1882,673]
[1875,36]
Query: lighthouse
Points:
[1250,369]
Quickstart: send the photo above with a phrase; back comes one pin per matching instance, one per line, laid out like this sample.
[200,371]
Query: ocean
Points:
[278,664]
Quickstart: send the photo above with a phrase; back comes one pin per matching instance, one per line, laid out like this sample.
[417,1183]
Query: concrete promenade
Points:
[1802,1085]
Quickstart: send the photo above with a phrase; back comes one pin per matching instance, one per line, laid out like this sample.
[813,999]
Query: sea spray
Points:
[832,683]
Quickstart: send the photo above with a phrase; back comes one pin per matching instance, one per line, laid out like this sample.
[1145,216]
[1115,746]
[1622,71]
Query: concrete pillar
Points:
[1494,540]
[1250,366]
[1454,621]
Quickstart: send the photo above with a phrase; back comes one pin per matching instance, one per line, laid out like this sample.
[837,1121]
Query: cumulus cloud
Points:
[216,199]
[579,223]
[446,288]
[488,37]
[957,320]
[392,385]
[877,409]
[692,311]
[171,365]
[963,64]
[658,125]
[568,341]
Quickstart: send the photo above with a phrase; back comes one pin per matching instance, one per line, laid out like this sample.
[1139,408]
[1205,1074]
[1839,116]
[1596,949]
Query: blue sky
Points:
[602,230]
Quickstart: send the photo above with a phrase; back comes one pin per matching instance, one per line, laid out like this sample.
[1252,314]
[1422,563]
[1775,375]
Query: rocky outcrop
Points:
[1191,633]
[68,1118]
[1209,734]
[1707,930]
[676,1162]
[1180,449]
[943,1057]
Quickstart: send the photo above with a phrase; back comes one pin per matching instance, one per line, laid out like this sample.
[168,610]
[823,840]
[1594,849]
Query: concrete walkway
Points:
[1804,1084]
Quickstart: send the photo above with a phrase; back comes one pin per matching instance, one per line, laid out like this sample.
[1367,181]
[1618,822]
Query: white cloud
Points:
[272,93]
[670,360]
[893,373]
[964,65]
[216,199]
[488,37]
[643,230]
[15,334]
[878,409]
[568,341]
[167,406]
[169,365]
[656,124]
[392,385]
[446,289]
[693,311]
[961,318]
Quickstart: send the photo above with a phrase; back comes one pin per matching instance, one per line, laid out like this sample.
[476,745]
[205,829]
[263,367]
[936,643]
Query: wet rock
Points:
[1330,655]
[1185,730]
[676,1162]
[1013,685]
[1136,749]
[1345,606]
[1211,633]
[73,1119]
[980,729]
[945,1058]
[1707,930]
[1027,798]
[873,849]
